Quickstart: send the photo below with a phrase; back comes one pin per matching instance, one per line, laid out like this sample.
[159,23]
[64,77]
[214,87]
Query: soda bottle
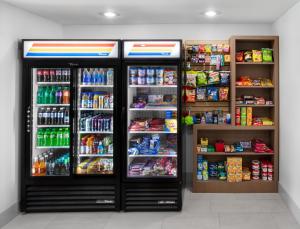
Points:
[110,76]
[35,167]
[66,95]
[46,75]
[52,75]
[46,96]
[40,137]
[40,77]
[104,78]
[47,116]
[100,148]
[67,117]
[58,75]
[66,137]
[82,145]
[58,95]
[59,137]
[94,77]
[90,100]
[47,137]
[40,95]
[53,116]
[86,78]
[52,99]
[95,101]
[64,75]
[40,116]
[101,76]
[68,75]
[53,140]
[84,100]
[42,167]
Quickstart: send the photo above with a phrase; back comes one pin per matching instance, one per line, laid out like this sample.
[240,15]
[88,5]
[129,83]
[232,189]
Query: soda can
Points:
[101,101]
[111,101]
[106,102]
[95,101]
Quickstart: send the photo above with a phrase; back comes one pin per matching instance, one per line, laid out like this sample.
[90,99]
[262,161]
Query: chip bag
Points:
[201,78]
[213,77]
[267,54]
[223,93]
[248,56]
[212,94]
[191,78]
[224,77]
[201,94]
[256,56]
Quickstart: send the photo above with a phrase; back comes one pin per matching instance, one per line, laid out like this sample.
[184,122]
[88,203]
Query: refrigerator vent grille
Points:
[70,198]
[147,199]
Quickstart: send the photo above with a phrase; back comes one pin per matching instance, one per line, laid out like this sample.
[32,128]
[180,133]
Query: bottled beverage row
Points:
[49,137]
[53,95]
[152,76]
[99,122]
[51,164]
[53,116]
[54,75]
[97,100]
[93,144]
[97,76]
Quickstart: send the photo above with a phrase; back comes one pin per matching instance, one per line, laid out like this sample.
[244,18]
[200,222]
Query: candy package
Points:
[191,78]
[256,56]
[227,58]
[201,78]
[201,58]
[212,94]
[224,77]
[213,60]
[208,48]
[214,48]
[226,48]
[267,55]
[220,47]
[190,95]
[213,78]
[248,56]
[202,48]
[239,56]
[201,94]
[223,93]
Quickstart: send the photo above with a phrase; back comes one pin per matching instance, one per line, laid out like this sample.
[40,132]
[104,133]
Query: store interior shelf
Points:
[255,105]
[150,155]
[96,109]
[234,154]
[52,105]
[52,126]
[52,147]
[95,155]
[157,108]
[231,127]
[96,86]
[254,63]
[53,83]
[151,132]
[255,87]
[95,132]
[152,86]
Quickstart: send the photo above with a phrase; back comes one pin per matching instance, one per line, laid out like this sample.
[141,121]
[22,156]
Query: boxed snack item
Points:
[234,169]
[170,77]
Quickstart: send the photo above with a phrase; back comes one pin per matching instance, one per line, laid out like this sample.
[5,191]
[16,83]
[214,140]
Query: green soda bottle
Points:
[40,137]
[53,140]
[52,95]
[40,95]
[59,137]
[46,95]
[66,141]
[46,137]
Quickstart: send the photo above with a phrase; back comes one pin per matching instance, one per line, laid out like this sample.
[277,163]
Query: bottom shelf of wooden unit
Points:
[217,186]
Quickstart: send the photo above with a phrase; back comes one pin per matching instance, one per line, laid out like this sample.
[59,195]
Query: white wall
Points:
[287,27]
[182,31]
[15,24]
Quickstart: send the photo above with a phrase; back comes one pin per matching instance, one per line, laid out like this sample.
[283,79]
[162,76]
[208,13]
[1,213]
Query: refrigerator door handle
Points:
[28,122]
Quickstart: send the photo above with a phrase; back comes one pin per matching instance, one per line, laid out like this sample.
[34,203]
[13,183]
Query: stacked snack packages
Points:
[234,169]
[243,116]
[255,165]
[202,169]
[262,169]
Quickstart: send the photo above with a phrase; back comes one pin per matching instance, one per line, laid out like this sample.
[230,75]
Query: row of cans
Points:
[97,100]
[103,123]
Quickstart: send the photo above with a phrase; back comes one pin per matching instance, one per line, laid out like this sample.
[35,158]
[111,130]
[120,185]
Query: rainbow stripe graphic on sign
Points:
[70,49]
[152,49]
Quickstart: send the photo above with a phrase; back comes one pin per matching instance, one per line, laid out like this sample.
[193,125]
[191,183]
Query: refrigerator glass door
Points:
[95,106]
[50,154]
[152,121]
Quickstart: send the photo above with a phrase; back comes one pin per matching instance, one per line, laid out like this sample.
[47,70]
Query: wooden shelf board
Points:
[235,154]
[231,127]
[256,87]
[254,63]
[254,105]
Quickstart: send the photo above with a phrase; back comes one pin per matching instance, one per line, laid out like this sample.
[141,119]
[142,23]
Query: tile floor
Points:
[200,211]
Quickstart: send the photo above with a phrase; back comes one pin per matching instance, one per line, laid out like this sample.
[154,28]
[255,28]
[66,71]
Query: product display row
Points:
[97,76]
[263,55]
[53,75]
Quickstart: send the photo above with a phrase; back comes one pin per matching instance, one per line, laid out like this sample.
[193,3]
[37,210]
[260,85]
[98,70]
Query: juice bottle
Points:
[66,96]
[95,101]
[58,95]
[42,168]
[35,167]
[84,100]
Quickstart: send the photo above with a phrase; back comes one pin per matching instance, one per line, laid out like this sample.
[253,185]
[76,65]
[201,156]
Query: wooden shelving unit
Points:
[232,133]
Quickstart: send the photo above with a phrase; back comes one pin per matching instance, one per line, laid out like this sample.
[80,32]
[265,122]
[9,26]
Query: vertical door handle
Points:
[28,119]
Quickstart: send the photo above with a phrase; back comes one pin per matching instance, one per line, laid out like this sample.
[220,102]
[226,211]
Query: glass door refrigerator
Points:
[152,155]
[70,151]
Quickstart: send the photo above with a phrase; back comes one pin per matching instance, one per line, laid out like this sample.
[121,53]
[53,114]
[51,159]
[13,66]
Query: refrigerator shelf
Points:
[45,126]
[96,86]
[158,108]
[95,109]
[95,132]
[52,105]
[53,83]
[151,132]
[154,86]
[159,155]
[52,147]
[95,155]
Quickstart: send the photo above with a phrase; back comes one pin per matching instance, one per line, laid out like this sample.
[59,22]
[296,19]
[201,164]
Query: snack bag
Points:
[207,59]
[202,48]
[226,48]
[214,48]
[256,56]
[239,56]
[201,78]
[208,48]
[227,58]
[248,56]
[213,60]
[220,48]
[191,78]
[212,94]
[195,48]
[170,77]
[201,94]
[190,95]
[201,58]
[223,94]
[267,55]
[213,78]
[224,77]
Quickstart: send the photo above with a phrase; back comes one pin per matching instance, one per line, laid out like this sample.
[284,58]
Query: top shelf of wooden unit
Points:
[231,127]
[254,63]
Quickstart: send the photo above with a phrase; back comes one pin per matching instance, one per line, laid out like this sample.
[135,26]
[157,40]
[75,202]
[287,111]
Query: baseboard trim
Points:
[295,210]
[7,215]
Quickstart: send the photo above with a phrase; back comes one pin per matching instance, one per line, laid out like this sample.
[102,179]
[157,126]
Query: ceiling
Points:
[87,12]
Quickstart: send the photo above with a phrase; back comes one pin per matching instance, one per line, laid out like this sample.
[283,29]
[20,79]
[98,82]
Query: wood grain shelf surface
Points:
[234,154]
[231,127]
